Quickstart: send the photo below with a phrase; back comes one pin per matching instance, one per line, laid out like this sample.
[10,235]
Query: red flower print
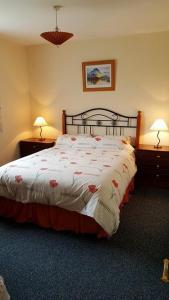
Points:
[18,178]
[53,183]
[97,139]
[73,139]
[94,159]
[73,162]
[107,166]
[62,152]
[43,159]
[43,169]
[88,153]
[125,166]
[115,183]
[78,173]
[124,142]
[92,188]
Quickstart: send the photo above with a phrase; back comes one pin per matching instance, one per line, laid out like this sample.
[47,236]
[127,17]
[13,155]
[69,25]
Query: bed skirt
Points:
[55,217]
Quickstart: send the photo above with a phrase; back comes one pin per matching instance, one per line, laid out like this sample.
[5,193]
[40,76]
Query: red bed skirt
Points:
[54,217]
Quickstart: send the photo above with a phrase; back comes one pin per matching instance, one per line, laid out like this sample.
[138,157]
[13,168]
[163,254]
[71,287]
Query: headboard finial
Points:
[139,115]
[63,121]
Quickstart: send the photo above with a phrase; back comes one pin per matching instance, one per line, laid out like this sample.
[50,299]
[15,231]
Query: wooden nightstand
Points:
[153,166]
[32,145]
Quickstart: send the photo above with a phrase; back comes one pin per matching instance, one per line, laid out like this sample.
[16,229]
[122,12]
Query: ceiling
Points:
[24,20]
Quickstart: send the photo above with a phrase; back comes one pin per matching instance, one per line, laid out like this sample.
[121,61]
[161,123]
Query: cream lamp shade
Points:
[159,125]
[40,122]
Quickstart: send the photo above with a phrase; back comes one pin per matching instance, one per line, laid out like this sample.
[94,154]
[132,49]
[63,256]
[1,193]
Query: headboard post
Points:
[64,122]
[138,128]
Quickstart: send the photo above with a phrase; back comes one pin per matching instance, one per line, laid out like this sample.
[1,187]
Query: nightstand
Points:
[153,166]
[32,145]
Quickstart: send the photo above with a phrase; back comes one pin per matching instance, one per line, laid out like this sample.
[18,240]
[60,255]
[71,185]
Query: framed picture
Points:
[98,75]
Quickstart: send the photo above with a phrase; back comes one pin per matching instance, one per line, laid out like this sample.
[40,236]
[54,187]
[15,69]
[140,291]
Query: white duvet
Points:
[90,181]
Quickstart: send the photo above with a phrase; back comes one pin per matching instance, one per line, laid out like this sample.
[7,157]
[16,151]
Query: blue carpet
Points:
[42,264]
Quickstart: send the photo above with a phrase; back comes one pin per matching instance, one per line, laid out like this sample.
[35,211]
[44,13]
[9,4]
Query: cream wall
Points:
[15,114]
[142,79]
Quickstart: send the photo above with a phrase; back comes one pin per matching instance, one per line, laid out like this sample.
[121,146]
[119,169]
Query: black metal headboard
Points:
[113,122]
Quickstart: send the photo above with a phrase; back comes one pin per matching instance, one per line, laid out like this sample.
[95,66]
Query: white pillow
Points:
[114,137]
[71,140]
[115,142]
[84,142]
[87,141]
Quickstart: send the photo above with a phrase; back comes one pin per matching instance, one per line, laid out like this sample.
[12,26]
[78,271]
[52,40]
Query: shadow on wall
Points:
[10,149]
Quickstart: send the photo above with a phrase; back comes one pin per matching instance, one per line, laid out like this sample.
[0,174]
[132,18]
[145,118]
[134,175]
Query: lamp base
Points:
[41,139]
[157,147]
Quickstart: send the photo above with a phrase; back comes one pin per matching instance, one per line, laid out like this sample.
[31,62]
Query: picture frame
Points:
[98,75]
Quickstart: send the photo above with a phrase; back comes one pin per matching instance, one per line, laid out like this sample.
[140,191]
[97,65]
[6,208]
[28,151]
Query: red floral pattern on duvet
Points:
[115,183]
[92,188]
[73,139]
[53,183]
[98,139]
[18,178]
[124,142]
[125,168]
[78,173]
[108,166]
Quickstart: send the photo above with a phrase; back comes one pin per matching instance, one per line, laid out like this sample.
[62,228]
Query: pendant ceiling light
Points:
[56,37]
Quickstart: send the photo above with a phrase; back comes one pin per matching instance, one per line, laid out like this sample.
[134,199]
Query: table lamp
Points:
[159,125]
[40,122]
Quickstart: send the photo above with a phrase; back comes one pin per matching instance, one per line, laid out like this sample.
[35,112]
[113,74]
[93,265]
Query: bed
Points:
[80,184]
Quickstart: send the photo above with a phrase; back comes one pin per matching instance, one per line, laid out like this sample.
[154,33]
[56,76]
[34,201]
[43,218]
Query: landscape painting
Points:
[98,75]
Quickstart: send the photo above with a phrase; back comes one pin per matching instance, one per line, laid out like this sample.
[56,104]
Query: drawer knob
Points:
[157,166]
[157,175]
[158,156]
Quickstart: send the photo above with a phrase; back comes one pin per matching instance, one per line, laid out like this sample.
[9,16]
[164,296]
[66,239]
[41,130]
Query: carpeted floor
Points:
[42,264]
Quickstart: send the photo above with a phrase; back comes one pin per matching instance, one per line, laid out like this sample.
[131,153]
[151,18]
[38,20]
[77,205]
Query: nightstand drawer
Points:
[147,179]
[31,146]
[148,156]
[153,166]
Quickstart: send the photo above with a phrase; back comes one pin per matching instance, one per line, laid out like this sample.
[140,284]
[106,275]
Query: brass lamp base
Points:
[157,146]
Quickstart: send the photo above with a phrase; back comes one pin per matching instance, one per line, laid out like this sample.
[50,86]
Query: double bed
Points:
[82,182]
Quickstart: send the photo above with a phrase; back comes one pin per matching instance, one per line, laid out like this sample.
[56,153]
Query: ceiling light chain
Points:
[57,7]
